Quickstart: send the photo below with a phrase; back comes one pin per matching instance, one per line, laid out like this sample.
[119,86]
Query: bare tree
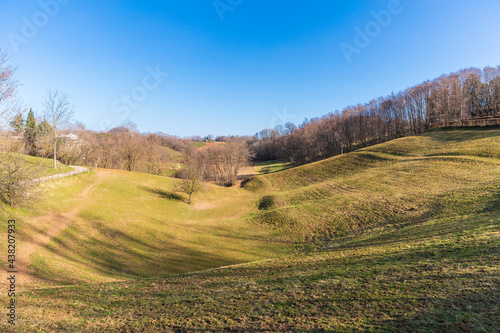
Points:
[8,86]
[192,180]
[222,163]
[237,157]
[59,113]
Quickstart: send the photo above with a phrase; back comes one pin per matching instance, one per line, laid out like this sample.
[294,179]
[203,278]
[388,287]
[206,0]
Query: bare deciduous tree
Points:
[222,163]
[131,143]
[58,113]
[9,106]
[192,180]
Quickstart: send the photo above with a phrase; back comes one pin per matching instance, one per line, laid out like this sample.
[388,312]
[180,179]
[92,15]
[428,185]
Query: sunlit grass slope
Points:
[440,274]
[41,167]
[417,222]
[45,166]
[133,225]
[262,168]
[408,179]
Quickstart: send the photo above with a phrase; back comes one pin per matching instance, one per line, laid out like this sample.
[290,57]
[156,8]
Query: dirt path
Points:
[57,222]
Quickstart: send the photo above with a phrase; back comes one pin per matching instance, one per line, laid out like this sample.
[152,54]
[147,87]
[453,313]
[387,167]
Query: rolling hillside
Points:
[114,225]
[405,180]
[402,236]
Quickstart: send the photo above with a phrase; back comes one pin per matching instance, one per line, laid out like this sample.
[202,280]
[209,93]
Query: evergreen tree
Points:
[30,134]
[44,127]
[17,123]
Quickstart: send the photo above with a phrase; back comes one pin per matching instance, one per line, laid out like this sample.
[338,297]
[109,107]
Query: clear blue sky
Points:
[265,63]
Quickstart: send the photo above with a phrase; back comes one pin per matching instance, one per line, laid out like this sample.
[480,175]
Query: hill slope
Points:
[408,179]
[427,262]
[113,225]
[440,275]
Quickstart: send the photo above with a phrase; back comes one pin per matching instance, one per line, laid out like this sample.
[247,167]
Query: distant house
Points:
[72,140]
[70,136]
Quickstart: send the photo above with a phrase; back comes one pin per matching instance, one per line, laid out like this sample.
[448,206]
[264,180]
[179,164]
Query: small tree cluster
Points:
[15,172]
[122,148]
[222,163]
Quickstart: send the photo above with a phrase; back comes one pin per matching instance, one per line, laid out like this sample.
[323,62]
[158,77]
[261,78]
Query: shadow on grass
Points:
[456,134]
[467,312]
[170,195]
[120,255]
[273,166]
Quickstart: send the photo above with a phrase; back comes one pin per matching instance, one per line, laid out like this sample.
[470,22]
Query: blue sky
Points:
[263,63]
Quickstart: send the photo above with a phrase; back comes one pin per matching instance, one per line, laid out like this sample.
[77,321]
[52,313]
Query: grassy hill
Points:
[441,275]
[405,180]
[262,168]
[406,239]
[114,225]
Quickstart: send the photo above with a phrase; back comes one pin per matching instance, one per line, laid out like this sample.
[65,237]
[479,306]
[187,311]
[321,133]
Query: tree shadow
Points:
[170,195]
[266,169]
[456,134]
[119,255]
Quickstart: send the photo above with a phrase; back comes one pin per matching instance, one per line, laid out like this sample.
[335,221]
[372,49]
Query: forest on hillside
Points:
[451,99]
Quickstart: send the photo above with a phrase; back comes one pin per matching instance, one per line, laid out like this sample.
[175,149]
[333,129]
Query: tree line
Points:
[454,98]
[451,99]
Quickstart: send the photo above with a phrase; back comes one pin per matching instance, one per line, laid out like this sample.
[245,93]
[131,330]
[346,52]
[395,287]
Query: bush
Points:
[253,184]
[16,187]
[267,202]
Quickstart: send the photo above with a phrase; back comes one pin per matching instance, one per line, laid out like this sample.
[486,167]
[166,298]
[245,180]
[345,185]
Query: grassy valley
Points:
[401,236]
[117,225]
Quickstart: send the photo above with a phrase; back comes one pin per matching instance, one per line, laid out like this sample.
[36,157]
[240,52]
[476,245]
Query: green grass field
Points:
[262,168]
[46,168]
[404,180]
[398,237]
[199,144]
[133,225]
